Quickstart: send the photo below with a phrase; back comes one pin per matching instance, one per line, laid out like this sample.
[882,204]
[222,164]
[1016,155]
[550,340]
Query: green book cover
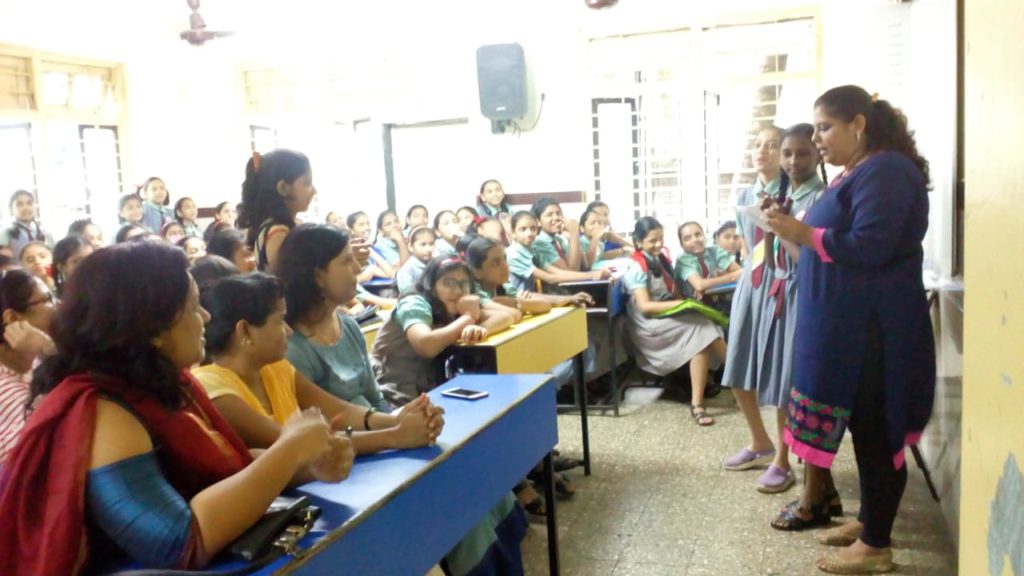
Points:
[696,306]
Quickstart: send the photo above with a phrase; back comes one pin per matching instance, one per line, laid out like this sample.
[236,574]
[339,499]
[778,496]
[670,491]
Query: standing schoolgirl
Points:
[743,366]
[155,199]
[278,185]
[490,201]
[186,213]
[665,344]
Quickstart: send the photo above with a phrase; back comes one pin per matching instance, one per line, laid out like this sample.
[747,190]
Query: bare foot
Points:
[842,535]
[859,551]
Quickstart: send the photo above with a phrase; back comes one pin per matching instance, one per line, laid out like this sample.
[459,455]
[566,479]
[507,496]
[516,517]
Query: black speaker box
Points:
[501,77]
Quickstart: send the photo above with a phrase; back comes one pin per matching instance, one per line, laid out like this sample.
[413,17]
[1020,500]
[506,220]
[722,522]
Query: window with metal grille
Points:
[674,114]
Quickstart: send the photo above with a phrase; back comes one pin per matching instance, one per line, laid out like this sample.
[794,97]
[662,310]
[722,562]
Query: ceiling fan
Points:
[197,34]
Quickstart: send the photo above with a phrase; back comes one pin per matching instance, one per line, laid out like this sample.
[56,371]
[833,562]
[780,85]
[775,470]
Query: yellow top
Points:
[278,384]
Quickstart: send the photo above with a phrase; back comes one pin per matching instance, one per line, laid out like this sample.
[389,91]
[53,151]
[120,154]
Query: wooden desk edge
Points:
[512,332]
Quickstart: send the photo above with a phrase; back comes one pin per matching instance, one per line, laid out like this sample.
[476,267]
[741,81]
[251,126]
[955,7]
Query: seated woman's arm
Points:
[506,305]
[428,342]
[214,516]
[555,275]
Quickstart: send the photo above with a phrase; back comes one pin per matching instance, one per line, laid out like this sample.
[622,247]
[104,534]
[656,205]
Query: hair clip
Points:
[874,97]
[256,162]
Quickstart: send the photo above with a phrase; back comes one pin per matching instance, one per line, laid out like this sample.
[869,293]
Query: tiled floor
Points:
[659,503]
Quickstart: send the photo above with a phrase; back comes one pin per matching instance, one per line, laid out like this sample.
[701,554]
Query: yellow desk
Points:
[535,346]
[370,332]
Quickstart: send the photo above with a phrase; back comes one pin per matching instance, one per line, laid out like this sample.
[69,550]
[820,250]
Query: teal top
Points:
[342,369]
[544,248]
[409,274]
[585,248]
[635,278]
[412,310]
[716,261]
[521,264]
[388,250]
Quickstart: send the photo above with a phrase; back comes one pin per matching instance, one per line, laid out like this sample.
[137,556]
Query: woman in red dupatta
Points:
[117,394]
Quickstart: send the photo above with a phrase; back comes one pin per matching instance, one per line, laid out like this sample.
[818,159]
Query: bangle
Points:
[366,418]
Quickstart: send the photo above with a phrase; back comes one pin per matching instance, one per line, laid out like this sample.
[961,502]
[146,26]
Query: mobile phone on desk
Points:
[464,394]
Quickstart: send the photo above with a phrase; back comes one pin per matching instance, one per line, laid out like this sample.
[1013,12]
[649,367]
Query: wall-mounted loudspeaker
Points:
[501,77]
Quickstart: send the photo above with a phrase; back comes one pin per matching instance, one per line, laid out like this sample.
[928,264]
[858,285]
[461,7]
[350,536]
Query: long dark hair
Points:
[62,252]
[306,249]
[806,131]
[118,300]
[250,297]
[433,272]
[643,227]
[225,243]
[210,269]
[16,287]
[260,199]
[476,252]
[179,216]
[885,126]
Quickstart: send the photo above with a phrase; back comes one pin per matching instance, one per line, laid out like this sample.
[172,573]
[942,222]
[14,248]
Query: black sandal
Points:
[789,519]
[702,418]
[537,506]
[834,510]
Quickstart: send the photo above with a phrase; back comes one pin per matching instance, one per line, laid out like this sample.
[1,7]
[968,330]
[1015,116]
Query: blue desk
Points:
[609,302]
[400,512]
[378,286]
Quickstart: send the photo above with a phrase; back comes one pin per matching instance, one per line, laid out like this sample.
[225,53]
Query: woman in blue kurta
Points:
[864,356]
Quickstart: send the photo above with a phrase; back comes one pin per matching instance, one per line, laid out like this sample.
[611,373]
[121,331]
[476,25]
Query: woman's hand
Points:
[24,337]
[582,299]
[336,464]
[360,249]
[306,434]
[473,333]
[414,429]
[788,227]
[396,235]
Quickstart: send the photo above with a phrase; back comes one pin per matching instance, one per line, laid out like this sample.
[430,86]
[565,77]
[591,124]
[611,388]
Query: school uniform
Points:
[776,331]
[403,374]
[742,359]
[585,248]
[20,234]
[443,247]
[521,264]
[388,250]
[663,345]
[549,249]
[711,263]
[191,230]
[154,216]
[409,274]
[486,211]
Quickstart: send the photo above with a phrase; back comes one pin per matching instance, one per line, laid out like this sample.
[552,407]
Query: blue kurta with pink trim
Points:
[865,268]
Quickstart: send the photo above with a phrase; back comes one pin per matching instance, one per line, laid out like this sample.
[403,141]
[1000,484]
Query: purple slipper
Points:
[746,459]
[775,480]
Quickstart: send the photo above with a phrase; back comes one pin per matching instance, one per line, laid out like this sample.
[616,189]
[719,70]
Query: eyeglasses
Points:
[453,284]
[48,299]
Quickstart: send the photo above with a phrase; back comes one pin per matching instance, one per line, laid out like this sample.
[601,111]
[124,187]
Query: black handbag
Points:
[277,533]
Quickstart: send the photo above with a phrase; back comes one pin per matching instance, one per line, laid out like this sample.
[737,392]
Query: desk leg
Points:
[549,497]
[611,345]
[581,383]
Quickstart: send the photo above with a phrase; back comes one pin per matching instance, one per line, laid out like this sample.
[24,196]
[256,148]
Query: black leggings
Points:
[881,485]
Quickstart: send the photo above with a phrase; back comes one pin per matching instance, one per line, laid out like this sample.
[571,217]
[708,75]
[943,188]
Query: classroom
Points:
[478,287]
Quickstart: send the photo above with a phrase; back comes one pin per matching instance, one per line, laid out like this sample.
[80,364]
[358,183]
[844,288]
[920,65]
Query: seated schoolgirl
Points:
[194,248]
[230,244]
[701,267]
[67,255]
[224,216]
[447,232]
[490,201]
[528,265]
[37,258]
[26,227]
[186,213]
[388,241]
[665,344]
[441,311]
[27,307]
[129,232]
[376,267]
[487,260]
[421,246]
[172,232]
[416,216]
[87,229]
[129,211]
[727,239]
[466,216]
[256,388]
[615,245]
[117,388]
[155,199]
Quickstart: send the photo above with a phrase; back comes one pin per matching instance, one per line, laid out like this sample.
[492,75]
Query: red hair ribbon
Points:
[256,162]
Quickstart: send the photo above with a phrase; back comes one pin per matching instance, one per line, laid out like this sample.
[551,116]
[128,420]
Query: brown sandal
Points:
[701,416]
